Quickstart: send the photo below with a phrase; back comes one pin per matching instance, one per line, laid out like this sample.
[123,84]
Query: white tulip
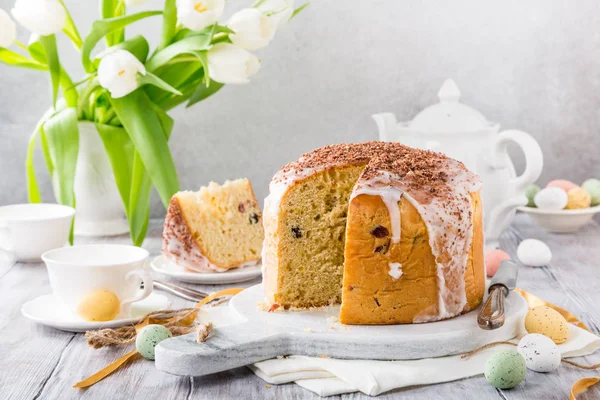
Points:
[228,63]
[198,14]
[134,2]
[282,10]
[44,17]
[8,29]
[253,30]
[118,71]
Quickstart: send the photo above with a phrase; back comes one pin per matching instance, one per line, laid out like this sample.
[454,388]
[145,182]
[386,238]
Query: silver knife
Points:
[492,314]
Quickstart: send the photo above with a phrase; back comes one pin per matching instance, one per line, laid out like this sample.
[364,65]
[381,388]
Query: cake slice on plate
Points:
[214,229]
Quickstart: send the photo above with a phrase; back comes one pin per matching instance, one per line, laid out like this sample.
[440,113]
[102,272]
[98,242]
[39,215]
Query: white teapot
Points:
[463,133]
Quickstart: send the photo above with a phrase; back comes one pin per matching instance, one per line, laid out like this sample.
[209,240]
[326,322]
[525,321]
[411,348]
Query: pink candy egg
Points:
[562,183]
[493,259]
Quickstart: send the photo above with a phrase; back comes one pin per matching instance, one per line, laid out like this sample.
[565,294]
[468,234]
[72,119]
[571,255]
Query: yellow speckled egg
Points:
[548,322]
[578,197]
[99,305]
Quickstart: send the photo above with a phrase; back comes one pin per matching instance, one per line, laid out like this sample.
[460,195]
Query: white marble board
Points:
[260,335]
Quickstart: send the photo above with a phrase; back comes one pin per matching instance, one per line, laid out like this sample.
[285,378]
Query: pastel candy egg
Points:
[578,198]
[493,259]
[548,322]
[99,305]
[541,354]
[534,253]
[150,336]
[505,369]
[593,187]
[530,191]
[562,184]
[551,198]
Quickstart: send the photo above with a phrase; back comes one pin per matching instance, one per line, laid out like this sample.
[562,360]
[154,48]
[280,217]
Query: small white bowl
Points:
[561,221]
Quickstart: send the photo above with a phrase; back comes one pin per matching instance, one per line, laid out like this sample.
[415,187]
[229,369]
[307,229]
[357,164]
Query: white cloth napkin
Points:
[328,377]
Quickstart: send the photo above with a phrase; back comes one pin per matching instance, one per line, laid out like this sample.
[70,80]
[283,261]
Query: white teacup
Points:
[28,230]
[76,272]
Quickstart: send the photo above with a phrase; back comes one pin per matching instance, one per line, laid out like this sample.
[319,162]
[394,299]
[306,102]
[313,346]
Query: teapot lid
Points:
[449,115]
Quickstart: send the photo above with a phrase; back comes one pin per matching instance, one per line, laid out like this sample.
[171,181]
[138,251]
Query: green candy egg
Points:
[505,369]
[530,191]
[593,187]
[148,337]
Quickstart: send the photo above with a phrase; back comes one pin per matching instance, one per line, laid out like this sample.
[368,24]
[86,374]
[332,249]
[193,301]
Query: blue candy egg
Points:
[148,337]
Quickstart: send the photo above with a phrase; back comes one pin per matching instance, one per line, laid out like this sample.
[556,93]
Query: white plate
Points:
[48,310]
[159,264]
[561,221]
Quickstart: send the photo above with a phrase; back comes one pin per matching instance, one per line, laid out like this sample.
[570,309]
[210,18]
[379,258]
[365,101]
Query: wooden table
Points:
[37,362]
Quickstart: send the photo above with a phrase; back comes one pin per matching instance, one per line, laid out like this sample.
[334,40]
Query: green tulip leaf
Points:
[61,133]
[51,51]
[70,29]
[150,79]
[181,76]
[137,45]
[119,149]
[141,187]
[169,23]
[139,204]
[103,27]
[299,10]
[111,9]
[188,45]
[203,91]
[11,58]
[140,118]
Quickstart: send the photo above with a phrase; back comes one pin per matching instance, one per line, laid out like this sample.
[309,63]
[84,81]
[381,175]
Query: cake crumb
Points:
[309,330]
[268,386]
[262,306]
[333,319]
[323,356]
[347,328]
[331,328]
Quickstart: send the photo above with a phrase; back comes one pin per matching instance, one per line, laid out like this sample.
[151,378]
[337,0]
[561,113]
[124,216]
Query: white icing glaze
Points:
[450,227]
[390,196]
[174,251]
[395,270]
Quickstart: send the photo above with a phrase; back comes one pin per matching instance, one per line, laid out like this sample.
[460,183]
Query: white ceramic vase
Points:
[99,207]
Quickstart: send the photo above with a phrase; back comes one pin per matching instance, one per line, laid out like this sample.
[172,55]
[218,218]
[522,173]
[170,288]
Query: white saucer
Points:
[159,264]
[48,310]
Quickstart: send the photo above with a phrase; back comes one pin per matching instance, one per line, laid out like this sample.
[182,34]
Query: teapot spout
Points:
[385,122]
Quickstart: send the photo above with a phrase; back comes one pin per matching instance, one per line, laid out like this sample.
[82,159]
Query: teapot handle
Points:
[500,215]
[534,159]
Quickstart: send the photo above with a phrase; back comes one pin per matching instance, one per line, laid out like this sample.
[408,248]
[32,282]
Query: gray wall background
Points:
[532,65]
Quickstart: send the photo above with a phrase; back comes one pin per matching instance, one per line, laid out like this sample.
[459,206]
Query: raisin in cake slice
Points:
[214,229]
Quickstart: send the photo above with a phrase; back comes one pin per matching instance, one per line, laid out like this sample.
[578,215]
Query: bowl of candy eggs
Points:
[563,206]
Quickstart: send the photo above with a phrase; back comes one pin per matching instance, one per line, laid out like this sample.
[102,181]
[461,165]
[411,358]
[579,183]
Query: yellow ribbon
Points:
[134,355]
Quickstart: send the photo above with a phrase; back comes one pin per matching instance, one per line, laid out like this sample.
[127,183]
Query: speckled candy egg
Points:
[551,198]
[505,369]
[593,187]
[547,321]
[530,191]
[578,198]
[562,184]
[99,305]
[149,337]
[493,258]
[541,354]
[534,253]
